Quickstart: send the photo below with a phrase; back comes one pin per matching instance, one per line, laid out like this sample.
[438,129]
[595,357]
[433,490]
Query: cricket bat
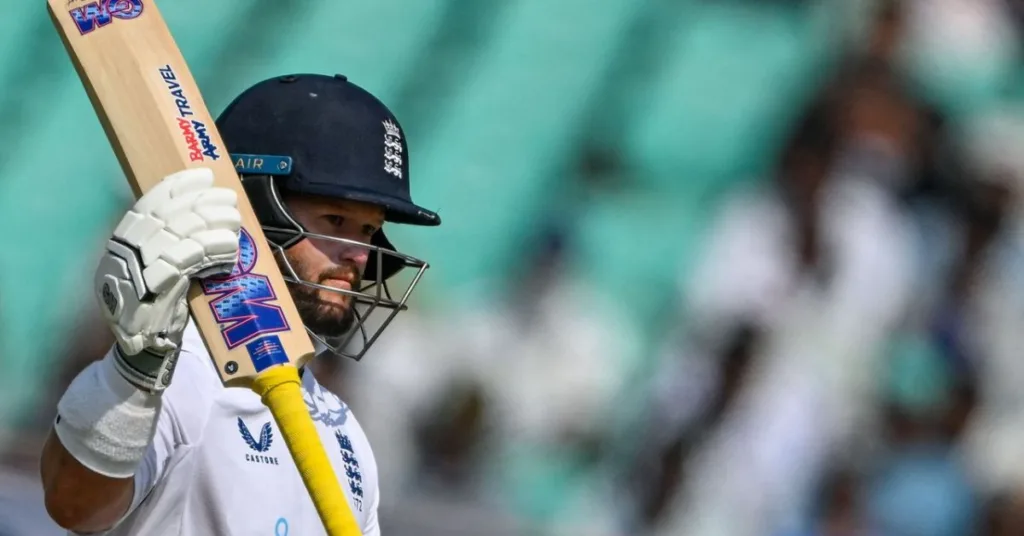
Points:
[157,124]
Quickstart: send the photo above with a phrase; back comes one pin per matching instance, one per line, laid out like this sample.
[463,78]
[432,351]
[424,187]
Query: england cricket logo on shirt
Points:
[324,406]
[355,477]
[261,446]
[392,148]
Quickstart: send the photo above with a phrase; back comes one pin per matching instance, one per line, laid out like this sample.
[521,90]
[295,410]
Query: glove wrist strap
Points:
[148,371]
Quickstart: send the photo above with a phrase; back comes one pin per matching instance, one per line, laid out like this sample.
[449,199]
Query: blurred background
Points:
[707,267]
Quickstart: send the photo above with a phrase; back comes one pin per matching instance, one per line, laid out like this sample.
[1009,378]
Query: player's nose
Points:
[353,254]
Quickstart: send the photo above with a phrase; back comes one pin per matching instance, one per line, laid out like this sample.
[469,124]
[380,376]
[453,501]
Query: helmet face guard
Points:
[373,295]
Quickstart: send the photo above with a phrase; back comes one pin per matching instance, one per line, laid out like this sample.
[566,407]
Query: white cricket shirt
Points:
[219,466]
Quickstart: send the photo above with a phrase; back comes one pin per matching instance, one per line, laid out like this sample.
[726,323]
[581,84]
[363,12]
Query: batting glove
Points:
[182,228]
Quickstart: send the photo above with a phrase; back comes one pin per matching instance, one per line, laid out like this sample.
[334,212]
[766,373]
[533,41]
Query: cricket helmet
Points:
[323,135]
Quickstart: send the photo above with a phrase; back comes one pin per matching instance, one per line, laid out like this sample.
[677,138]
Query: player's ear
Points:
[269,203]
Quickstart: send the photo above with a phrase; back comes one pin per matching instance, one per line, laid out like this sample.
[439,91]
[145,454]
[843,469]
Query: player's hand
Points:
[182,228]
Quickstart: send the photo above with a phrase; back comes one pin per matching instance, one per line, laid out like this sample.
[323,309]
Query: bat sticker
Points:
[194,131]
[102,12]
[266,352]
[244,306]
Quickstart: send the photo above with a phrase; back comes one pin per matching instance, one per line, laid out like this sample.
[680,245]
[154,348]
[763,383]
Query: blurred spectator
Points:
[687,404]
[980,318]
[820,264]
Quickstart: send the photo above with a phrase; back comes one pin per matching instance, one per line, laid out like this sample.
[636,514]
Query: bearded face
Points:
[325,264]
[330,314]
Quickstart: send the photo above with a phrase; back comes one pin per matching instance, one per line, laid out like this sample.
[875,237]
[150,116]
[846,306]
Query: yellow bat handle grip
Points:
[279,388]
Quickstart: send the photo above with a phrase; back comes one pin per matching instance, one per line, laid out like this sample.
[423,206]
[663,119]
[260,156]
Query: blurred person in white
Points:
[822,263]
[946,356]
[953,410]
[991,295]
[514,407]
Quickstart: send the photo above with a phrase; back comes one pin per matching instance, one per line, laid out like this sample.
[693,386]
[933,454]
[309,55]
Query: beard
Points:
[326,318]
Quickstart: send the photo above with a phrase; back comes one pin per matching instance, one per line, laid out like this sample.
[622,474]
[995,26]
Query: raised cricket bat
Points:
[157,123]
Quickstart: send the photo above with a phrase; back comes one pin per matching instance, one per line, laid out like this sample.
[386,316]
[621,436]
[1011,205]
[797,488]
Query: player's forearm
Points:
[104,427]
[78,498]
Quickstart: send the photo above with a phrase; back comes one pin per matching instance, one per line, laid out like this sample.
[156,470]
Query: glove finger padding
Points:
[182,228]
[173,186]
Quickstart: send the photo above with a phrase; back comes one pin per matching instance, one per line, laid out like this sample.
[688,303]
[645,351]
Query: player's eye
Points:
[368,230]
[334,220]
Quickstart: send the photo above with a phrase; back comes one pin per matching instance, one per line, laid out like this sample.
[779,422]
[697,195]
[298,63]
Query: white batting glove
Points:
[182,228]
